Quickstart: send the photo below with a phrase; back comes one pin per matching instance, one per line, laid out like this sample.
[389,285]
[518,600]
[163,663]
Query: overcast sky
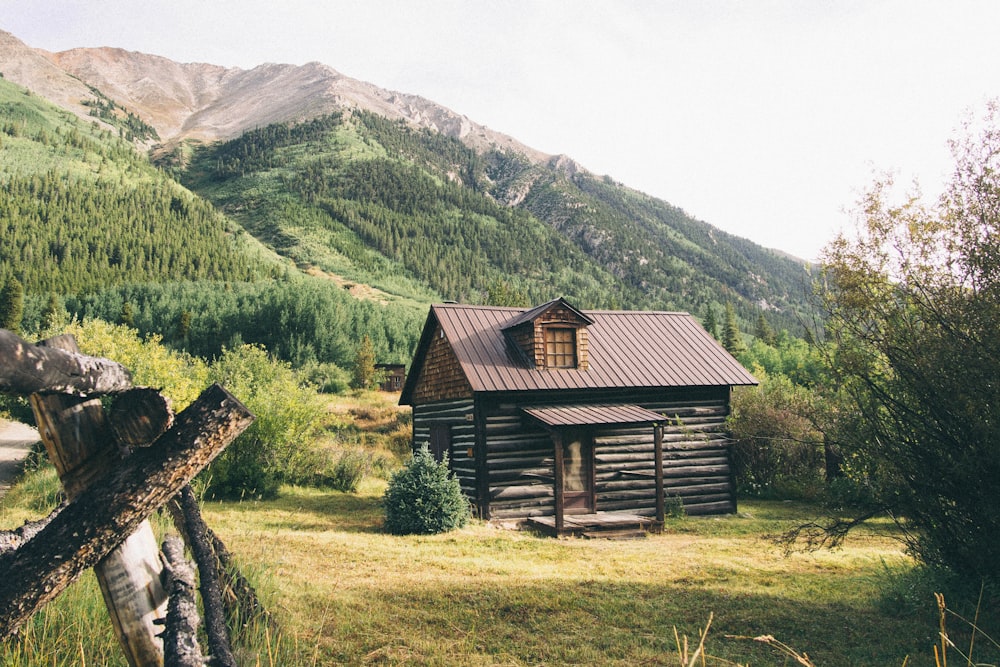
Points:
[763,118]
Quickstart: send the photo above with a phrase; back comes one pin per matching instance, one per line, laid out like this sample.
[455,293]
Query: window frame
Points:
[561,351]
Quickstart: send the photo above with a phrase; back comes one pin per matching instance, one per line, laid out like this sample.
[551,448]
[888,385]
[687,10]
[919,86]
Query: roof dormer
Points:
[551,336]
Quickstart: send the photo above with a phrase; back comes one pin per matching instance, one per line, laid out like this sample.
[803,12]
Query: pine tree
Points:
[732,339]
[764,331]
[711,324]
[364,364]
[11,305]
[52,314]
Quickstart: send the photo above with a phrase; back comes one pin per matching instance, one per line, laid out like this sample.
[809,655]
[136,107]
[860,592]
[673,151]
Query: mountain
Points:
[357,184]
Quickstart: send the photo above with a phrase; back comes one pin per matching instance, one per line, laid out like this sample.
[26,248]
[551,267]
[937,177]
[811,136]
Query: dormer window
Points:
[560,347]
[550,336]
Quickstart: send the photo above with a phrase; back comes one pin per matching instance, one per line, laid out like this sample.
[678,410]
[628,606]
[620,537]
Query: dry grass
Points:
[482,596]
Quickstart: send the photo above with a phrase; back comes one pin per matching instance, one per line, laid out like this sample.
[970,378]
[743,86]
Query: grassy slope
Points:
[346,593]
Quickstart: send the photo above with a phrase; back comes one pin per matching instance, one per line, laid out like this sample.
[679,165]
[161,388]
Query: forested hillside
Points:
[87,221]
[404,209]
[81,209]
[355,223]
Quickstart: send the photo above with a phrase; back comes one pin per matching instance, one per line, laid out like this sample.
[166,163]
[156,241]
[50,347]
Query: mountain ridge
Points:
[209,102]
[371,157]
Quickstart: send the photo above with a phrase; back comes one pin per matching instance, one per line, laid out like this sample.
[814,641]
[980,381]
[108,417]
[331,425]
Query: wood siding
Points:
[441,378]
[696,462]
[458,415]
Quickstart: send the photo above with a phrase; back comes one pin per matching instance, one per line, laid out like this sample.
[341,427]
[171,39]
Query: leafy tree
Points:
[274,449]
[11,305]
[777,448]
[914,301]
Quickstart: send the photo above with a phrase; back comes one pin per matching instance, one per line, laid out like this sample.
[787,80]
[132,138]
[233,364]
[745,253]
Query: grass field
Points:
[344,592]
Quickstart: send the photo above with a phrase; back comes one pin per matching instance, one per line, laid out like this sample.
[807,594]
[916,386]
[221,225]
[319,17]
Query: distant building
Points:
[559,416]
[393,376]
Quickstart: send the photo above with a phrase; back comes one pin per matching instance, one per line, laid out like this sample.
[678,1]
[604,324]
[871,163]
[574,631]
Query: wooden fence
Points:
[117,466]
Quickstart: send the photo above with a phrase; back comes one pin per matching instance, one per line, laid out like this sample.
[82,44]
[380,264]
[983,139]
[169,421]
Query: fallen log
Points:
[104,513]
[30,369]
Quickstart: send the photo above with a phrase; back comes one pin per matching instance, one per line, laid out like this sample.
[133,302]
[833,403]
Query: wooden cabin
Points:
[565,417]
[392,376]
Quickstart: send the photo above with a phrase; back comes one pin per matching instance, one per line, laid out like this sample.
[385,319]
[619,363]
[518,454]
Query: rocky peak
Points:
[210,102]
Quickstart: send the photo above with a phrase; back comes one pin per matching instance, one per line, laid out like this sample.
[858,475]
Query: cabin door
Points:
[578,473]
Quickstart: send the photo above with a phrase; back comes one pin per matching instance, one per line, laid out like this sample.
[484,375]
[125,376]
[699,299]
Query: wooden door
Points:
[578,473]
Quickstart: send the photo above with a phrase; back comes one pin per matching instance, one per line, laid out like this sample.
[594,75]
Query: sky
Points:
[765,118]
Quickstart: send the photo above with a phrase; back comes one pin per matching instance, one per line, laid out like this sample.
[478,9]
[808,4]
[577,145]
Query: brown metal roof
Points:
[626,349]
[589,415]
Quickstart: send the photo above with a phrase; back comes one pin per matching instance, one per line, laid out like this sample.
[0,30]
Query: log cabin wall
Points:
[696,459]
[697,466]
[457,416]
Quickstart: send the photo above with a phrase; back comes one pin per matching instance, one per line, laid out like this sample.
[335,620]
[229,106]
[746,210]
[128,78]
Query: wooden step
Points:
[619,534]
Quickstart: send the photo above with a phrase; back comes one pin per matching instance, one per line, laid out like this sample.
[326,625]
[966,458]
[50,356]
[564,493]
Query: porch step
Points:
[622,534]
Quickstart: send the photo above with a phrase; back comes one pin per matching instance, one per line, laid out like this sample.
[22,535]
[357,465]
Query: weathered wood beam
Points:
[30,369]
[140,416]
[219,646]
[80,444]
[180,627]
[104,513]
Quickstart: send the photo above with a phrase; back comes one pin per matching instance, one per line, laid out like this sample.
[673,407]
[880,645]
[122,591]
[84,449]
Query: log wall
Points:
[458,416]
[516,458]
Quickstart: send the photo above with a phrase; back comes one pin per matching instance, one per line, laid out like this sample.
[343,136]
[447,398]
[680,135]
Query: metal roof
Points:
[581,415]
[626,349]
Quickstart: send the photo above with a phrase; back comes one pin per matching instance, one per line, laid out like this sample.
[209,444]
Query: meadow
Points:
[345,592]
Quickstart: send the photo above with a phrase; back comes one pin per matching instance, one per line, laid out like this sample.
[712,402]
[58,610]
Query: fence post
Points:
[80,444]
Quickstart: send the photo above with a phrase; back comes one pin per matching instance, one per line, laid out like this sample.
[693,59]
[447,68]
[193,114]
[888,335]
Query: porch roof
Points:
[591,415]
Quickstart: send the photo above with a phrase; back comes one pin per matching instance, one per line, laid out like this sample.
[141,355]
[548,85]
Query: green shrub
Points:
[276,447]
[424,498]
[348,471]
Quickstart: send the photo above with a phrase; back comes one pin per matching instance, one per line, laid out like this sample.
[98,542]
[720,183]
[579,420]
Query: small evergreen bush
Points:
[424,498]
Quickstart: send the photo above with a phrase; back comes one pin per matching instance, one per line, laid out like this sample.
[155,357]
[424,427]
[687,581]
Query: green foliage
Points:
[710,321]
[364,364]
[11,304]
[777,450]
[914,299]
[348,472]
[424,498]
[305,321]
[180,377]
[276,447]
[732,338]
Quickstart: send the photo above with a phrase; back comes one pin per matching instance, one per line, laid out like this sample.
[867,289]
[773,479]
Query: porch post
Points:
[658,465]
[558,490]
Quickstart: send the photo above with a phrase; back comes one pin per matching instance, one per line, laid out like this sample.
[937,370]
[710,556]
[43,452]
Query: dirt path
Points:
[16,440]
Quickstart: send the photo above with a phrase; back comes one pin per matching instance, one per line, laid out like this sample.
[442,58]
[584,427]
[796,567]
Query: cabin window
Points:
[560,347]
